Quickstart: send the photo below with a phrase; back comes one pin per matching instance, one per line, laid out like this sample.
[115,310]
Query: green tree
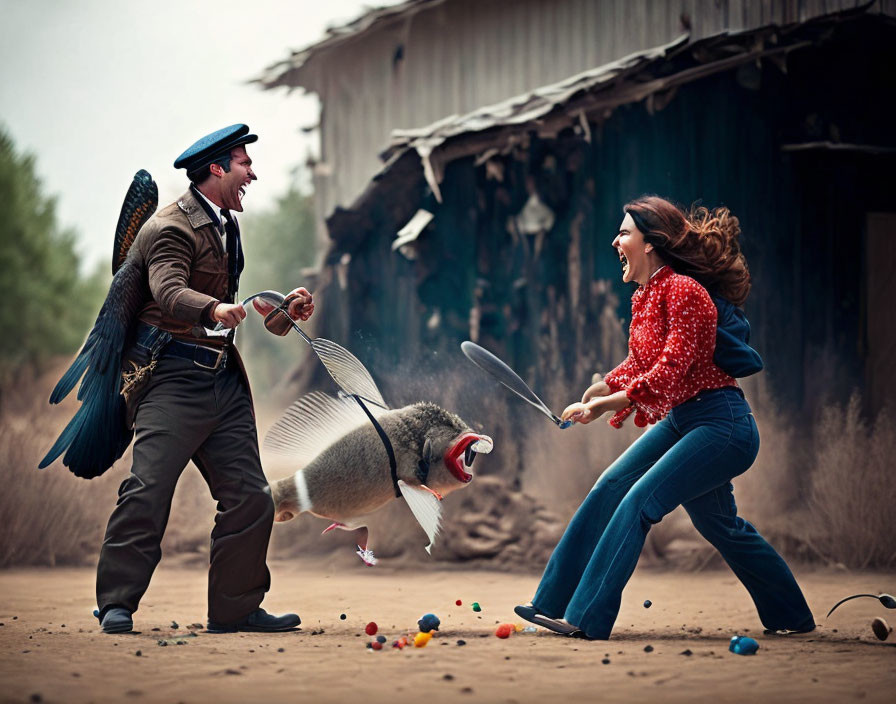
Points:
[39,272]
[279,243]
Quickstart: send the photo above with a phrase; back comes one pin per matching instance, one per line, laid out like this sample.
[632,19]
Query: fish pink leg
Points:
[432,491]
[363,536]
[333,526]
[366,555]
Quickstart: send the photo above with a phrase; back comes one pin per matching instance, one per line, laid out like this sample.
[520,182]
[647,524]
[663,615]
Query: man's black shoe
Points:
[259,621]
[117,620]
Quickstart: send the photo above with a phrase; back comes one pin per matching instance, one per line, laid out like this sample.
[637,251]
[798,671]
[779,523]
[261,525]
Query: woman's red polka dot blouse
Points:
[670,347]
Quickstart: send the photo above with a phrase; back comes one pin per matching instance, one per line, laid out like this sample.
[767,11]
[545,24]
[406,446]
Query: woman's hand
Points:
[584,413]
[598,388]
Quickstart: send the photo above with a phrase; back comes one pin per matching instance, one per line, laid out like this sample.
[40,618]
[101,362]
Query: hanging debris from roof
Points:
[406,237]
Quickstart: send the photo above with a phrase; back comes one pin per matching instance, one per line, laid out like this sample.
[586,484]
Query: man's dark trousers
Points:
[192,413]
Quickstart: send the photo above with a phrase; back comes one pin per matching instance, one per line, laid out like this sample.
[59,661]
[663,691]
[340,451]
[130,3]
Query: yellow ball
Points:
[421,639]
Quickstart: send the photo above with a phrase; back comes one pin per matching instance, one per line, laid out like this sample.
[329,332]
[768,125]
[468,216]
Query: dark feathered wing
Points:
[97,435]
[140,202]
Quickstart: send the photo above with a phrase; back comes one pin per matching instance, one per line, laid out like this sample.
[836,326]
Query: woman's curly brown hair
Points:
[701,243]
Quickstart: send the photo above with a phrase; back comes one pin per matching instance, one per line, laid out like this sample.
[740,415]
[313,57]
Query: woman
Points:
[703,432]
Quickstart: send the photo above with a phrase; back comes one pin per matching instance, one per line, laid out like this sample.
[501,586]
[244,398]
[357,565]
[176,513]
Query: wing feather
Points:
[313,423]
[97,436]
[140,202]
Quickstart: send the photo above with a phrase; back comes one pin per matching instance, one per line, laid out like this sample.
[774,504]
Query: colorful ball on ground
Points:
[371,629]
[428,622]
[743,645]
[504,630]
[476,606]
[421,639]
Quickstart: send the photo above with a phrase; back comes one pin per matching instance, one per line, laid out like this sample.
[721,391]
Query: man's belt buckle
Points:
[219,360]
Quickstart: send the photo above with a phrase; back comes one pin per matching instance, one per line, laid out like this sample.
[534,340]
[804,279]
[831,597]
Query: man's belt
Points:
[212,358]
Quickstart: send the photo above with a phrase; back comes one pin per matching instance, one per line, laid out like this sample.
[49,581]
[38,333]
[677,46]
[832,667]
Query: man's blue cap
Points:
[204,151]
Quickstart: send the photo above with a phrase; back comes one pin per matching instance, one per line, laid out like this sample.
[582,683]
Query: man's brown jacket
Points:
[183,256]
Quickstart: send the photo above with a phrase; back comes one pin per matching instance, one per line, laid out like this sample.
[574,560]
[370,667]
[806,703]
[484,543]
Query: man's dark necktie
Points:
[234,254]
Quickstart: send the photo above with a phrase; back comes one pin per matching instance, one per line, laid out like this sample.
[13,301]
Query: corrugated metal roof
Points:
[522,109]
[588,98]
[286,72]
[411,64]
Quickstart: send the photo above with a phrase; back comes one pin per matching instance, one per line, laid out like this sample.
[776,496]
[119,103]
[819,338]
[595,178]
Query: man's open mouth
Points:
[460,456]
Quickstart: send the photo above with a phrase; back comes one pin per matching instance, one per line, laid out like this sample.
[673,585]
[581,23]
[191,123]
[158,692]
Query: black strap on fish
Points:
[393,466]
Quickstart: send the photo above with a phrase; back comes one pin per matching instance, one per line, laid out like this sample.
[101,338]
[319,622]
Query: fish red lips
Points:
[456,458]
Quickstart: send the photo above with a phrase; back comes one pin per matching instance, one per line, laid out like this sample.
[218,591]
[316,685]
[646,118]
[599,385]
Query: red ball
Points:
[458,602]
[504,630]
[371,629]
[376,645]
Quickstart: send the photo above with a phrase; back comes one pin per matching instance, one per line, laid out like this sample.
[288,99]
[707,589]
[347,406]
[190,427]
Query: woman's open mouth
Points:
[624,261]
[460,456]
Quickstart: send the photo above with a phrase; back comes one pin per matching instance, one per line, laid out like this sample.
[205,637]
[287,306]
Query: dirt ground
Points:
[51,649]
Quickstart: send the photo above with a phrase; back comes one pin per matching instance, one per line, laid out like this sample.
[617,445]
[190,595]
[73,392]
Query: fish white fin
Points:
[313,423]
[427,509]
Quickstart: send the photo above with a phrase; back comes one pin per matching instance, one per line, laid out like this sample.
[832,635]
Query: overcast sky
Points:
[97,89]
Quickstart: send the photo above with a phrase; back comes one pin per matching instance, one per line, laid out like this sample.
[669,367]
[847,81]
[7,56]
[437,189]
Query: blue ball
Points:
[743,645]
[428,622]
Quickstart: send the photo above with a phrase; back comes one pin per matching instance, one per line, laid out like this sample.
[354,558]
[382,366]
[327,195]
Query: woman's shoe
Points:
[580,634]
[526,611]
[557,625]
[788,631]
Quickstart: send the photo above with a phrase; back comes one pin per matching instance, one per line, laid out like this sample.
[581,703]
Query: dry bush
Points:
[851,496]
[50,517]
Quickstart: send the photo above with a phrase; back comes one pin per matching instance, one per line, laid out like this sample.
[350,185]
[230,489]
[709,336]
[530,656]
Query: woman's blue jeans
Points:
[686,459]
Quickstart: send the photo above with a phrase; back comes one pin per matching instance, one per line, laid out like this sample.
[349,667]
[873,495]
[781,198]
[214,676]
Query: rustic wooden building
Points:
[501,139]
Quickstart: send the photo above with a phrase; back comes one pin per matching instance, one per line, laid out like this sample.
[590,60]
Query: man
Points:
[196,404]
